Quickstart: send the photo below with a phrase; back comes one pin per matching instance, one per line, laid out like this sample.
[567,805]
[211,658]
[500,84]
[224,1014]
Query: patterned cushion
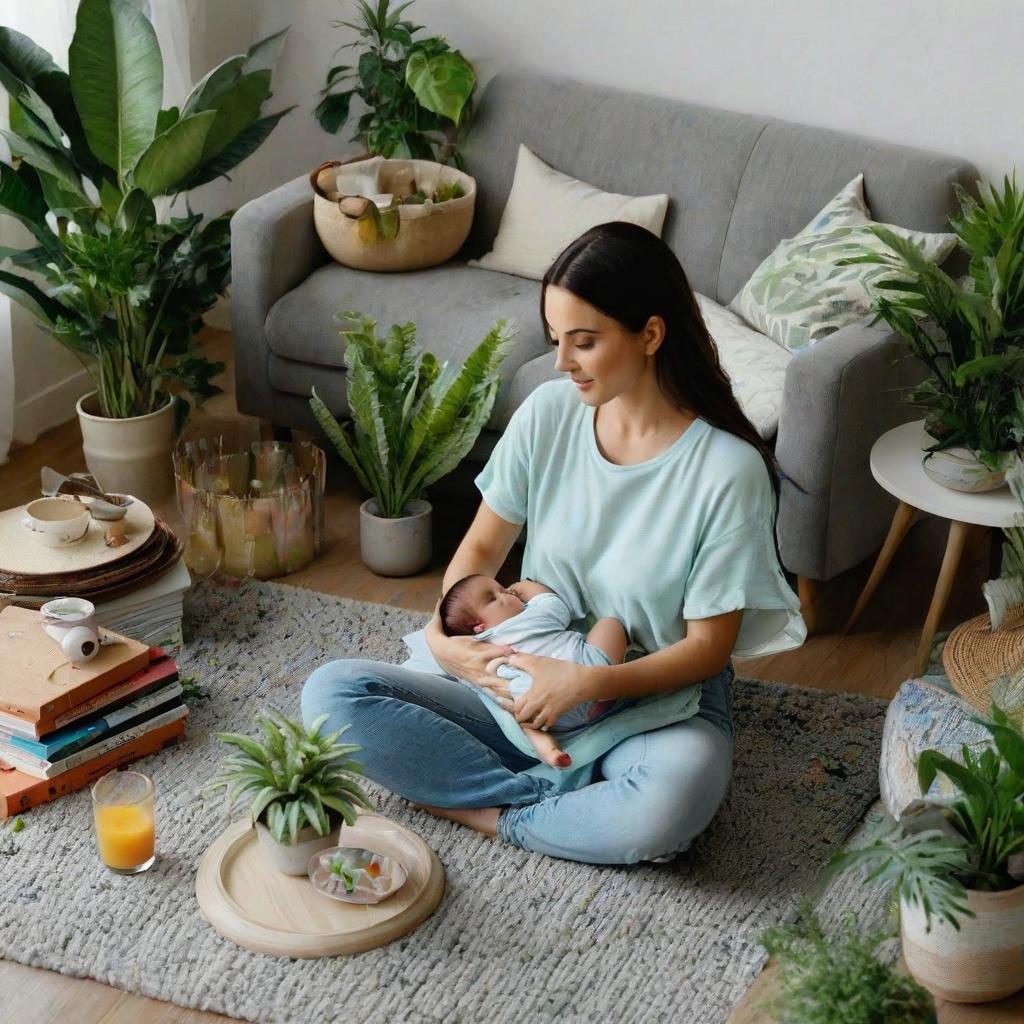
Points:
[800,294]
[755,364]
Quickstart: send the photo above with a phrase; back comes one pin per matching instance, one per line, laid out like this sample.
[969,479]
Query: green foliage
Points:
[413,421]
[939,850]
[839,979]
[293,778]
[970,333]
[92,149]
[416,91]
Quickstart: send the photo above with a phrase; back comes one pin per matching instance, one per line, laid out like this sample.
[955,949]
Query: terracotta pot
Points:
[293,859]
[980,963]
[129,456]
[395,547]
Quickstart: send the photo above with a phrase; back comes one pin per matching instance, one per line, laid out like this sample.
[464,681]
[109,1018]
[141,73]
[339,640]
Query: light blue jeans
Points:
[430,739]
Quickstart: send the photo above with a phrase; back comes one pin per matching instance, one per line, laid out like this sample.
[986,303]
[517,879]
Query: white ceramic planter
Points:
[960,469]
[293,860]
[395,547]
[130,456]
[980,963]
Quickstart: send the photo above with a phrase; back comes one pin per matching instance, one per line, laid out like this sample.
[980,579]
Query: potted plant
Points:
[957,865]
[416,91]
[413,422]
[967,332]
[839,979]
[299,785]
[125,288]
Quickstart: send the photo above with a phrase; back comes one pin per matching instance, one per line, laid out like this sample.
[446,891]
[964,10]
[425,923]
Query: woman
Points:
[649,498]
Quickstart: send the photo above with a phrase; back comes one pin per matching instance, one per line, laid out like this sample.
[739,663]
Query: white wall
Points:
[942,74]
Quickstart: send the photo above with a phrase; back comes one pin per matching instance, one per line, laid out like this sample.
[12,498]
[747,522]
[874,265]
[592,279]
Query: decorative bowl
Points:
[354,875]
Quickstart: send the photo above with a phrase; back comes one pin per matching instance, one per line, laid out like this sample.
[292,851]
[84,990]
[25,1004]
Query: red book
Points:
[19,792]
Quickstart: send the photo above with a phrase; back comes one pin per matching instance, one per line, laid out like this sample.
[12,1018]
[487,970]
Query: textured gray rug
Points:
[518,937]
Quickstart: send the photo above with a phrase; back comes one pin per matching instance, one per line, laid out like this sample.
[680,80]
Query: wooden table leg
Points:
[958,534]
[901,521]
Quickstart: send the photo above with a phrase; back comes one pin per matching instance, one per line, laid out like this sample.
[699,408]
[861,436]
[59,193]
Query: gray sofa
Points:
[738,184]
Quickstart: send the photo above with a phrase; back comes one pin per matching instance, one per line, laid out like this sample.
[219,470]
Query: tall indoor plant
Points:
[957,866]
[416,91]
[123,286]
[413,422]
[968,332]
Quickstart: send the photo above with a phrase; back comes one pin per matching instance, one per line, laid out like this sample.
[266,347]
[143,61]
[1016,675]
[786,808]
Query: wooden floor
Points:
[874,660]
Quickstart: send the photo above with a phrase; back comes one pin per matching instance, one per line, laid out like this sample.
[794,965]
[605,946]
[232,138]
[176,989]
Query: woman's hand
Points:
[558,686]
[467,658]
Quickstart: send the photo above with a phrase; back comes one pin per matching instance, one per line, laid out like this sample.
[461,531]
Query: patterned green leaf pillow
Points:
[800,294]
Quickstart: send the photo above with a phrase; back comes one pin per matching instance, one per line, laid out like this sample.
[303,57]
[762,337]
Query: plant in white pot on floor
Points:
[300,787]
[413,422]
[112,275]
[968,332]
[957,865]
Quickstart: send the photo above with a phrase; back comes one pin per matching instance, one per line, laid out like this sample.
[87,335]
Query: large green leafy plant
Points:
[975,841]
[969,332]
[295,777]
[413,421]
[92,149]
[416,91]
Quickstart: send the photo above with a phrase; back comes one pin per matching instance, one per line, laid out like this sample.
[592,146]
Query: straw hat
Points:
[975,657]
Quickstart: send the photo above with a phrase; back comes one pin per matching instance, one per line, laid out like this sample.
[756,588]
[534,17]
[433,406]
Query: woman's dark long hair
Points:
[630,275]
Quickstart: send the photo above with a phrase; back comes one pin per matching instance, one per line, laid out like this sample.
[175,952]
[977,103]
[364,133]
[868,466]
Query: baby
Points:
[533,619]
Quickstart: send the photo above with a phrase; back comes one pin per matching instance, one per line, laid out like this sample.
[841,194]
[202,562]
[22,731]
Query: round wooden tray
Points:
[262,909]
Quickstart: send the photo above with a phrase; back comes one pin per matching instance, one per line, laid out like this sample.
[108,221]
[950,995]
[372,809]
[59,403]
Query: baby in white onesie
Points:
[535,620]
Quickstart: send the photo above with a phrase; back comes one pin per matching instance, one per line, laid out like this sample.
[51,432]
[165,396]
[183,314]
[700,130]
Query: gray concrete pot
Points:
[395,547]
[292,860]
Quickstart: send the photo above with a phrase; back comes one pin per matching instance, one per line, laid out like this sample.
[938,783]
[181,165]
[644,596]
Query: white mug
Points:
[55,522]
[71,621]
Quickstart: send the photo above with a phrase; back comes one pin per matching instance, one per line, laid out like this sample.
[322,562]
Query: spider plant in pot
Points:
[299,785]
[413,422]
[968,332]
[957,865]
[111,274]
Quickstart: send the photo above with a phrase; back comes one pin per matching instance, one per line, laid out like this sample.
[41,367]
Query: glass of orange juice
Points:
[122,806]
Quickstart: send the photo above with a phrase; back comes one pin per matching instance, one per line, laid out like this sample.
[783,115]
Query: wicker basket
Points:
[427,235]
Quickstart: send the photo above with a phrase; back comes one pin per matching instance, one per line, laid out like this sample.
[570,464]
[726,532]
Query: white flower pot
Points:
[292,860]
[129,456]
[395,547]
[960,469]
[980,963]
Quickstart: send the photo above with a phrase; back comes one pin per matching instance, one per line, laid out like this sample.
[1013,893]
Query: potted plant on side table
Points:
[126,285]
[957,865]
[300,787]
[413,422]
[968,333]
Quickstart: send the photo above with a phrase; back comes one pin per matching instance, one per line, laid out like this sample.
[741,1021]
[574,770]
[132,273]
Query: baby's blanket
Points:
[586,745]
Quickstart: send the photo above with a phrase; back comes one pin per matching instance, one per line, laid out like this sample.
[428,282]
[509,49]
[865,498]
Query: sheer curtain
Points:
[27,381]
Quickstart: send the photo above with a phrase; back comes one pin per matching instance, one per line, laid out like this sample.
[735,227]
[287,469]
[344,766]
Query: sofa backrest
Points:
[738,183]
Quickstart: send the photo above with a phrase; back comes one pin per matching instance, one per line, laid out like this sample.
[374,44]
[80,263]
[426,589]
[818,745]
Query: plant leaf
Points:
[34,299]
[442,83]
[170,158]
[263,56]
[237,107]
[243,145]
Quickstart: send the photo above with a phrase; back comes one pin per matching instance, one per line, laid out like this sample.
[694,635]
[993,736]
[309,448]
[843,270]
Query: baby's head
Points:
[476,603]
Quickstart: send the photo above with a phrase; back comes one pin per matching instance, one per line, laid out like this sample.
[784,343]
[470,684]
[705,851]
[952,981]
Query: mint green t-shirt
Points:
[685,535]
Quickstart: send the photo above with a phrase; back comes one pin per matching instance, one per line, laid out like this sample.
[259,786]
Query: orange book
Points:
[19,792]
[36,679]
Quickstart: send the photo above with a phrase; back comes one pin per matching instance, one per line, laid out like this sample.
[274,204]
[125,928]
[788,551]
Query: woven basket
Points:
[426,236]
[974,656]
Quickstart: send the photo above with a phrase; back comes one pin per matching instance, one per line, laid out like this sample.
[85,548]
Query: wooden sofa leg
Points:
[807,591]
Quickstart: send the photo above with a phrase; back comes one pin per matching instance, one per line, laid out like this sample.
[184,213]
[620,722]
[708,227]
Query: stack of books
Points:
[151,614]
[62,727]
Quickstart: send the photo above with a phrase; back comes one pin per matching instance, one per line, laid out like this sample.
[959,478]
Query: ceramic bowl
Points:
[56,523]
[354,875]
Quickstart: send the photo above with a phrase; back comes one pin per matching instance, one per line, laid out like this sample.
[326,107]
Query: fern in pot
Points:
[299,785]
[957,866]
[111,275]
[413,422]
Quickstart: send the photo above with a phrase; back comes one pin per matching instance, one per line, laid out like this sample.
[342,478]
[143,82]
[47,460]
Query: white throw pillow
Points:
[800,293]
[546,210]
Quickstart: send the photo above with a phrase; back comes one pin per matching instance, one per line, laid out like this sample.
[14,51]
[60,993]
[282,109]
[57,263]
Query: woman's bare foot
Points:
[482,819]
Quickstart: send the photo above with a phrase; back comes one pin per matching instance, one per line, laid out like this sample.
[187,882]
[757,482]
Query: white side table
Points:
[896,465]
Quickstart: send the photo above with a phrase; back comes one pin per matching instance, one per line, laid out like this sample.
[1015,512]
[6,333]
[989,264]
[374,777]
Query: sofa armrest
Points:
[839,397]
[274,248]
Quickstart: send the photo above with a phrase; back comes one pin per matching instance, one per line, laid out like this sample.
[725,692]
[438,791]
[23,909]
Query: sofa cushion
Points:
[453,307]
[547,210]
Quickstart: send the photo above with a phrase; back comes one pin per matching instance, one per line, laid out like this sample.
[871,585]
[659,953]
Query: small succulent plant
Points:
[293,778]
